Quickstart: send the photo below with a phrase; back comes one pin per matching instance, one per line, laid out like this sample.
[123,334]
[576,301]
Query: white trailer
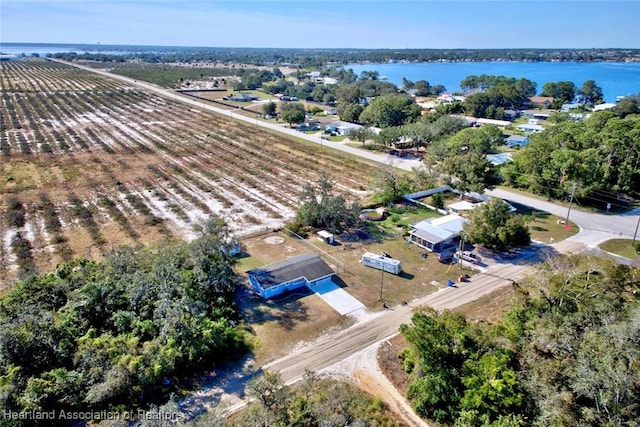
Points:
[381,262]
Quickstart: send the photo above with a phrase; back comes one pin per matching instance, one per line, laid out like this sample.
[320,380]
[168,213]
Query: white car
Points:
[468,256]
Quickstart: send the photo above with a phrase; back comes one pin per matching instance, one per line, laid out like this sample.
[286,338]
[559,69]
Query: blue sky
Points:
[329,23]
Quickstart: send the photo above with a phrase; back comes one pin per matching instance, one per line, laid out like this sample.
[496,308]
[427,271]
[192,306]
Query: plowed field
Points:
[87,162]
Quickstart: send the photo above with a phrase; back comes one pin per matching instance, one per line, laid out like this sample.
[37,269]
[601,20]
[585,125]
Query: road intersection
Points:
[365,337]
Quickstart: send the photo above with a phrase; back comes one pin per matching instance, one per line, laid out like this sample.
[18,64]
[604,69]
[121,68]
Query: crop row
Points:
[146,165]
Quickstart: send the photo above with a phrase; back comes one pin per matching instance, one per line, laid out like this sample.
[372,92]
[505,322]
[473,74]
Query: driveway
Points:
[339,299]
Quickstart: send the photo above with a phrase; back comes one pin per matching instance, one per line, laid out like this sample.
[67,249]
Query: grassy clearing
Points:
[279,325]
[620,247]
[545,227]
[400,218]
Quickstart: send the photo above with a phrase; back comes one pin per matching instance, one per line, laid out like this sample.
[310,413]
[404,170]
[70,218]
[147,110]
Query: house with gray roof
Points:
[290,274]
[437,233]
[530,128]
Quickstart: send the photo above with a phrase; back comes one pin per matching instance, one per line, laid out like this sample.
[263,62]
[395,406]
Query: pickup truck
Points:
[468,256]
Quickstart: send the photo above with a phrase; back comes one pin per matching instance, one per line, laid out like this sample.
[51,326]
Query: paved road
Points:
[405,164]
[336,347]
[594,228]
[331,349]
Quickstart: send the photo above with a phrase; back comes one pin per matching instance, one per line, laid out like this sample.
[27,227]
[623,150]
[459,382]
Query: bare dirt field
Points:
[89,162]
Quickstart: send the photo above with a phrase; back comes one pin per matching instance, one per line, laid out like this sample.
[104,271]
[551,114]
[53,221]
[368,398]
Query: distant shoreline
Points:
[337,56]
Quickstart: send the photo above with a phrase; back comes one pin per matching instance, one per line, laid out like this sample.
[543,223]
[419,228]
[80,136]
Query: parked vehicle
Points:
[468,256]
[445,258]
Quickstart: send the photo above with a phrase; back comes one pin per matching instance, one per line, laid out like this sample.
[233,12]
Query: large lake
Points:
[615,79]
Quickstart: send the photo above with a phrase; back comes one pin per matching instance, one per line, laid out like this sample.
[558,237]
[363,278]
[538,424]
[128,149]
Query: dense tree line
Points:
[319,57]
[115,335]
[422,87]
[254,79]
[491,95]
[601,153]
[567,354]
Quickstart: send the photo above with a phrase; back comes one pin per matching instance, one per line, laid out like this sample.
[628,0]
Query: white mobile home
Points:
[381,262]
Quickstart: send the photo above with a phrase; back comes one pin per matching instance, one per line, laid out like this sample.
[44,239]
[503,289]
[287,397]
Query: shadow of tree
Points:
[287,309]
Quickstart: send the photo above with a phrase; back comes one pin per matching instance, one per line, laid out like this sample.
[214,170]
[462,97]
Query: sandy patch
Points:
[274,240]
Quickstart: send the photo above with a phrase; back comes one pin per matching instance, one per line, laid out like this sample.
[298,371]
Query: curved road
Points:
[329,350]
[595,228]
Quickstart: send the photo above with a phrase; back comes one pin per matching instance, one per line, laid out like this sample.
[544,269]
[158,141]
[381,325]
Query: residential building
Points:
[541,101]
[529,128]
[293,273]
[437,233]
[516,141]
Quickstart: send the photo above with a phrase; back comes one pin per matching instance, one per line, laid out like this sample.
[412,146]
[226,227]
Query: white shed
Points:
[325,236]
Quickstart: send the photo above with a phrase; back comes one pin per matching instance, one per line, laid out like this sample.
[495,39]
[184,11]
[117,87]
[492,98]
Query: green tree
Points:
[390,184]
[321,207]
[269,108]
[346,95]
[362,134]
[479,141]
[493,225]
[292,112]
[437,200]
[389,136]
[562,92]
[351,113]
[390,110]
[591,93]
[443,342]
[422,88]
[468,172]
[628,105]
[491,385]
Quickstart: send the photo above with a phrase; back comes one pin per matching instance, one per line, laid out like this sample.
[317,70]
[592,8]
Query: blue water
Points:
[615,79]
[44,49]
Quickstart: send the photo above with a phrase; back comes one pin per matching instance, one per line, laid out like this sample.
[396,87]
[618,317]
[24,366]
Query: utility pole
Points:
[461,249]
[381,283]
[635,233]
[573,190]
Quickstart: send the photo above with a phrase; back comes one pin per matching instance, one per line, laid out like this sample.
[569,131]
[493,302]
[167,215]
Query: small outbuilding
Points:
[326,237]
[290,274]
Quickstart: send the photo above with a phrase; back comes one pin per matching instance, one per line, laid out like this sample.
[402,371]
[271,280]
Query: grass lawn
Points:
[620,247]
[582,207]
[400,218]
[545,227]
[303,316]
[338,138]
